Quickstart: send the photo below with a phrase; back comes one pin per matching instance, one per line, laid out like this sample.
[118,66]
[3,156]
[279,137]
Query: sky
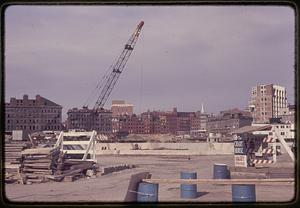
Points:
[185,55]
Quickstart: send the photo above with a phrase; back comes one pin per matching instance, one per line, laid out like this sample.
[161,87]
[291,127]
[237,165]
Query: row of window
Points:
[32,121]
[32,110]
[30,127]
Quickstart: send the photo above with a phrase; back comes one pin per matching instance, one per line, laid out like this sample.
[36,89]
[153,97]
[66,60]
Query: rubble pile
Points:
[42,139]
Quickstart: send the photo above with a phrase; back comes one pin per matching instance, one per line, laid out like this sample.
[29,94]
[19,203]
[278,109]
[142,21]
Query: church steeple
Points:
[202,109]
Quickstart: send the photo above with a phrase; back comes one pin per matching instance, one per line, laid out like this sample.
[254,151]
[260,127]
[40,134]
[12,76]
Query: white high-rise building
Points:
[267,101]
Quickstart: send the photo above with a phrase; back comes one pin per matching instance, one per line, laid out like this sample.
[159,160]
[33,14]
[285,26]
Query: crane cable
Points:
[141,78]
[98,86]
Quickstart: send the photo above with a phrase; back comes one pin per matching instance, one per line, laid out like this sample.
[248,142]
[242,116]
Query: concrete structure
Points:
[289,116]
[267,101]
[32,114]
[88,119]
[114,186]
[228,120]
[120,108]
[284,130]
[147,148]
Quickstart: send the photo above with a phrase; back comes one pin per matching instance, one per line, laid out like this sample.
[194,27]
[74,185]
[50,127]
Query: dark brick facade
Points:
[88,119]
[32,114]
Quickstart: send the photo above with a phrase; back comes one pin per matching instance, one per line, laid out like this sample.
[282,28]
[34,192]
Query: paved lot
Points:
[113,187]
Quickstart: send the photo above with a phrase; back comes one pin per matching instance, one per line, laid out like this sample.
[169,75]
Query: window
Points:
[270,133]
[281,133]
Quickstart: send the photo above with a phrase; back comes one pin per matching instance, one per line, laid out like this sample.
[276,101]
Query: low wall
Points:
[164,148]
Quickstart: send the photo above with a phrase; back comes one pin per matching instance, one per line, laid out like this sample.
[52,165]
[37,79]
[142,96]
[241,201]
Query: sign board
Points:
[240,160]
[239,146]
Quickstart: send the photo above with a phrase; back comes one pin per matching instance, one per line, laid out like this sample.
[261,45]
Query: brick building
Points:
[89,119]
[184,122]
[158,122]
[31,115]
[120,108]
[229,120]
[267,101]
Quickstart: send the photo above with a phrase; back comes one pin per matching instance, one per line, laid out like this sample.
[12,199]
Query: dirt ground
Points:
[113,187]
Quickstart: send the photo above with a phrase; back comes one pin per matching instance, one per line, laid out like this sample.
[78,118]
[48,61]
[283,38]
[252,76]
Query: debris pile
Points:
[74,169]
[42,139]
[45,164]
[39,162]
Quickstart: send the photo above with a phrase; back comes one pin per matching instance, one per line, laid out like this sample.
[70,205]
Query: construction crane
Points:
[117,68]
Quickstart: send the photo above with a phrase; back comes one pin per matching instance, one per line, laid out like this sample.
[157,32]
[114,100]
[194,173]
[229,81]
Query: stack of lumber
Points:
[13,157]
[39,162]
[13,151]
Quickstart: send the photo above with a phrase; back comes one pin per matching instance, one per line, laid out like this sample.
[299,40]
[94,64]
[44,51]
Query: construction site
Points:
[84,165]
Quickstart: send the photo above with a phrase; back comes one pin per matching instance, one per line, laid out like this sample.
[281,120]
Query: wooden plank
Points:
[11,166]
[12,157]
[37,165]
[281,181]
[35,180]
[37,170]
[131,194]
[13,153]
[240,175]
[39,151]
[68,173]
[249,169]
[38,161]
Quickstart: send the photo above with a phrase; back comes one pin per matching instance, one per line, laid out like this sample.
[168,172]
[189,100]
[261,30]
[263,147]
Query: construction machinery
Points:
[117,68]
[97,118]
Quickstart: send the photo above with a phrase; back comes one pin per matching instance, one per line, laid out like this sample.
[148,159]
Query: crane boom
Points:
[117,68]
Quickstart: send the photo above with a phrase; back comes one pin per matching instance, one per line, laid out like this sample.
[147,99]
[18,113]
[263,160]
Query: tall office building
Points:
[267,101]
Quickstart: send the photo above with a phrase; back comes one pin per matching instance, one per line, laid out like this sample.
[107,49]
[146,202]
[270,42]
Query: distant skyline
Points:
[185,55]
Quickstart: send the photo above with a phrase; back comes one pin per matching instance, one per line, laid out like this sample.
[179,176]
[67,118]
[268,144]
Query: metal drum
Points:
[221,171]
[188,191]
[147,192]
[243,193]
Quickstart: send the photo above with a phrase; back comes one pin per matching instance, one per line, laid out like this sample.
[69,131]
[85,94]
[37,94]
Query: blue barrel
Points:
[221,171]
[147,192]
[243,193]
[188,191]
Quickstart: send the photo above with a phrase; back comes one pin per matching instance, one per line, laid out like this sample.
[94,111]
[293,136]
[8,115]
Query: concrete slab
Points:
[113,187]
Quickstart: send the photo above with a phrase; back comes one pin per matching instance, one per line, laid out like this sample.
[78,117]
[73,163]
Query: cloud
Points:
[185,55]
